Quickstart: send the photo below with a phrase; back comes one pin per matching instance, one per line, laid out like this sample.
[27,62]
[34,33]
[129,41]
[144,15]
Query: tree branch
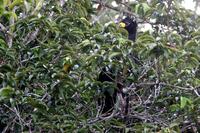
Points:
[168,85]
[115,8]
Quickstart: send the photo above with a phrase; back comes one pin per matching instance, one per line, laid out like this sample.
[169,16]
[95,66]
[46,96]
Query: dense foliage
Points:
[51,53]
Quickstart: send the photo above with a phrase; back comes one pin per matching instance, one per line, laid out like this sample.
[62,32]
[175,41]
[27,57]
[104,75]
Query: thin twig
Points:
[144,73]
[17,114]
[165,84]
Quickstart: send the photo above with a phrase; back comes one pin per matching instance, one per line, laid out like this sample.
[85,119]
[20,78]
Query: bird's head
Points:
[131,26]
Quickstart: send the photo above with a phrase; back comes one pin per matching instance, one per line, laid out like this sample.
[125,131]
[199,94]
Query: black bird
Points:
[106,75]
[131,26]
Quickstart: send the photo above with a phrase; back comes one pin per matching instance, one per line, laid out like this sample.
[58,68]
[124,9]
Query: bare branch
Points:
[168,85]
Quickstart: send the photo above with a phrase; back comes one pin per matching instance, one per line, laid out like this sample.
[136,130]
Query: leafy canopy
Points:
[51,54]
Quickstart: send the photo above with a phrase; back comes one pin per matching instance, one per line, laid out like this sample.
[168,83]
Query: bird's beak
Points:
[122,25]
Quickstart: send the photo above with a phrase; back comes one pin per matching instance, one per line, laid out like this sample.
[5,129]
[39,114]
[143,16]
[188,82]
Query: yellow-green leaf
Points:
[15,3]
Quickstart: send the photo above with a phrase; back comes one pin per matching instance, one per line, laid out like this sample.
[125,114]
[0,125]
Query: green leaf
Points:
[191,43]
[196,33]
[10,14]
[146,39]
[85,43]
[175,38]
[2,9]
[184,101]
[37,104]
[195,61]
[5,68]
[142,9]
[174,107]
[15,3]
[27,6]
[146,7]
[85,21]
[6,92]
[2,43]
[114,54]
[38,6]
